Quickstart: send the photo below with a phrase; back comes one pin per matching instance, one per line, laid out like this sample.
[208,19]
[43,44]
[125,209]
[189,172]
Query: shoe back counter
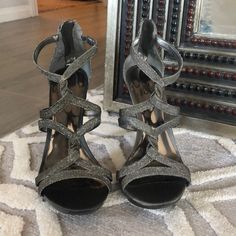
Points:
[206,38]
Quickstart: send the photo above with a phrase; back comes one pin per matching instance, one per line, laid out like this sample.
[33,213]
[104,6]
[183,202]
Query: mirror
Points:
[216,18]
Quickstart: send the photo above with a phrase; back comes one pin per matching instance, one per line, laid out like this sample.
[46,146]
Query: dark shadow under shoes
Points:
[154,175]
[70,178]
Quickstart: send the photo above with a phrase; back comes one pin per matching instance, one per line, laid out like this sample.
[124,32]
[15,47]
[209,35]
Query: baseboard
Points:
[16,13]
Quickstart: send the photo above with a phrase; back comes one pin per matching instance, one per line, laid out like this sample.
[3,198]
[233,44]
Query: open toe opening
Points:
[76,195]
[155,191]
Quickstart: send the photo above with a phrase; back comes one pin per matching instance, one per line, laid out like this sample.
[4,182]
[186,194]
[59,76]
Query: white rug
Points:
[207,208]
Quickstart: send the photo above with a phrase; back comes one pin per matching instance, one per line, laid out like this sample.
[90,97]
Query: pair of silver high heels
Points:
[70,178]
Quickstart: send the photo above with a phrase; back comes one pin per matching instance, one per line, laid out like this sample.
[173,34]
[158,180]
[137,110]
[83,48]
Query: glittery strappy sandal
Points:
[154,175]
[70,178]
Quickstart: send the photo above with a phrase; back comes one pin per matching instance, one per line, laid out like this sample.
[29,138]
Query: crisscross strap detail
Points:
[60,171]
[72,68]
[141,169]
[128,116]
[141,62]
[130,119]
[84,168]
[71,136]
[90,109]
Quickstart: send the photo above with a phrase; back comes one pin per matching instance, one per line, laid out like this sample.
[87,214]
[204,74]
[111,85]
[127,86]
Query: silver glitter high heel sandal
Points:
[154,175]
[70,178]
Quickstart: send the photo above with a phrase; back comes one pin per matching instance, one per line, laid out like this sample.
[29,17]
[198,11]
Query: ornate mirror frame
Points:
[206,89]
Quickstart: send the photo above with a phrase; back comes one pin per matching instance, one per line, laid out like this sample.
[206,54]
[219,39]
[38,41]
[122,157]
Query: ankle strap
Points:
[141,61]
[50,76]
[72,68]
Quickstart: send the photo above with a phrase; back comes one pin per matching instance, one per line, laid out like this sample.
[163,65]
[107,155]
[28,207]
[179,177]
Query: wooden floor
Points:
[52,5]
[24,91]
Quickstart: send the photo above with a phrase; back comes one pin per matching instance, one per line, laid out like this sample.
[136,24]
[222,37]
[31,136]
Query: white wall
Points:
[12,3]
[17,9]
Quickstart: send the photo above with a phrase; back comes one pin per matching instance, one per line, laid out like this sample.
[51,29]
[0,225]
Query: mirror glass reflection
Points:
[216,18]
